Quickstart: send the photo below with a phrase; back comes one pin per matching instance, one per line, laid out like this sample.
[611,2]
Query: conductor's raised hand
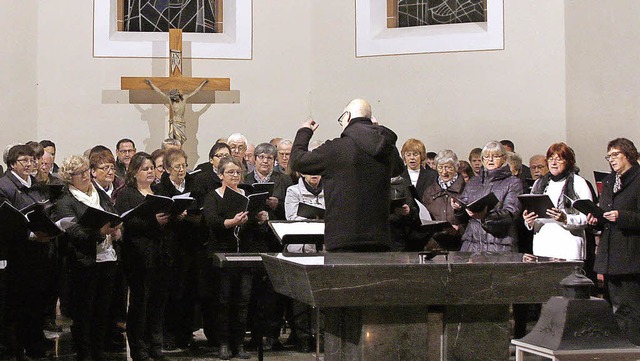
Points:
[310,123]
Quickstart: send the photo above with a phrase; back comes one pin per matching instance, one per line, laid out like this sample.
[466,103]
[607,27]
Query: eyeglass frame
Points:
[262,157]
[179,166]
[81,172]
[107,168]
[348,114]
[613,155]
[32,161]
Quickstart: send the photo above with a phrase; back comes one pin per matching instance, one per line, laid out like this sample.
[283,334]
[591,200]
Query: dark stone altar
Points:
[377,305]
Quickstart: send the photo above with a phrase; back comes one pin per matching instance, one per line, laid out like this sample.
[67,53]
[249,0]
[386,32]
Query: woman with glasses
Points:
[103,172]
[157,157]
[437,198]
[182,237]
[225,235]
[205,182]
[560,233]
[146,262]
[27,259]
[92,258]
[618,255]
[490,229]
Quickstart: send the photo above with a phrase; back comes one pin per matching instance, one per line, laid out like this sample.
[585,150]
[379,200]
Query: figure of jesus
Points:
[177,124]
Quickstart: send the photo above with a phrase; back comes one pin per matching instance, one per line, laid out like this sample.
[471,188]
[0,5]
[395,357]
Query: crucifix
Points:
[171,89]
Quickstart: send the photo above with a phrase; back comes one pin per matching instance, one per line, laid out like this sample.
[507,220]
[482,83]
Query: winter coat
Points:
[619,248]
[496,232]
[355,169]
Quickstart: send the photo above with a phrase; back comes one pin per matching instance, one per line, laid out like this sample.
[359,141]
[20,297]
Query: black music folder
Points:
[32,217]
[310,211]
[489,201]
[536,203]
[96,218]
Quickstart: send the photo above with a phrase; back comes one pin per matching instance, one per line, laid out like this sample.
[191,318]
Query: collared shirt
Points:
[260,179]
[180,187]
[26,183]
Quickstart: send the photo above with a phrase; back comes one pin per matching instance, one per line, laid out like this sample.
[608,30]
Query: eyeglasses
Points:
[344,118]
[160,166]
[220,155]
[107,168]
[233,173]
[262,157]
[555,159]
[613,155]
[80,172]
[26,162]
[179,166]
[492,156]
[127,151]
[238,148]
[445,167]
[283,154]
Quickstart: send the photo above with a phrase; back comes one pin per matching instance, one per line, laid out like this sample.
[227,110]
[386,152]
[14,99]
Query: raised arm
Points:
[197,89]
[154,87]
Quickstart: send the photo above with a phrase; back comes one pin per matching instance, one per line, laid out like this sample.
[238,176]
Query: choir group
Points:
[147,269]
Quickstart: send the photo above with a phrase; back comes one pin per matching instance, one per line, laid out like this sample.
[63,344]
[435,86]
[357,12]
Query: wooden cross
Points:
[216,90]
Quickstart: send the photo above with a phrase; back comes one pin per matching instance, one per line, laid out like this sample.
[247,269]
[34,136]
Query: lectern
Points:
[376,304]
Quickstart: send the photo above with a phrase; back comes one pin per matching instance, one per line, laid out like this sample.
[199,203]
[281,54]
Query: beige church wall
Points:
[304,64]
[80,91]
[603,80]
[18,28]
[450,100]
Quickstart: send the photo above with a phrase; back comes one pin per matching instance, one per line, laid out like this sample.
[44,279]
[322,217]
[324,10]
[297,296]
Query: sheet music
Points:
[310,260]
[424,214]
[297,228]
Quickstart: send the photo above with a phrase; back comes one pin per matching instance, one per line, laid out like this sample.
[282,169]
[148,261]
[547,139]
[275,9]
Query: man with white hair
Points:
[355,169]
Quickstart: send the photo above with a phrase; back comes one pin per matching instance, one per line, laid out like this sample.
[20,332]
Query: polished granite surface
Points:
[392,279]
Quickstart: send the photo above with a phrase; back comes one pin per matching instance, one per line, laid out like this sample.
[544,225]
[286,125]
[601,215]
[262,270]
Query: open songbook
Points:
[32,217]
[234,202]
[258,187]
[96,218]
[536,203]
[154,204]
[489,201]
[586,206]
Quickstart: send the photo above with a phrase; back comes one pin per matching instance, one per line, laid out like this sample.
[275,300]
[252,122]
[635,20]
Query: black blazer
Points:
[82,240]
[426,177]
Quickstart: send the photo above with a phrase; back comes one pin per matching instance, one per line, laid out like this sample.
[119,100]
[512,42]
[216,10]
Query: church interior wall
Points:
[556,73]
[18,70]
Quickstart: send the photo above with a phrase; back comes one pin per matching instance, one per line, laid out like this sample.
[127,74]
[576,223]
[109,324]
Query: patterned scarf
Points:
[445,185]
[618,184]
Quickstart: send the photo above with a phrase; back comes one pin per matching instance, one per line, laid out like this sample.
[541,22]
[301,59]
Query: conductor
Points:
[356,169]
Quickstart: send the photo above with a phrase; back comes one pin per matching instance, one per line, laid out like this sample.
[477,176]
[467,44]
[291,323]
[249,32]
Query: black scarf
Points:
[541,185]
[314,191]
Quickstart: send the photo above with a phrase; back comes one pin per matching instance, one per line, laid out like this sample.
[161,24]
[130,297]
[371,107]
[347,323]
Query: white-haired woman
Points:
[491,229]
[92,258]
[437,198]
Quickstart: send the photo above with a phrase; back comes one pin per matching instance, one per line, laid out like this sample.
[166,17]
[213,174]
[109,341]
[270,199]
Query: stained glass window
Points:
[194,16]
[407,13]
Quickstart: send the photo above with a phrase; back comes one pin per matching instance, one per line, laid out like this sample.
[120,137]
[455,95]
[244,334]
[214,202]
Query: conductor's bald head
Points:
[359,108]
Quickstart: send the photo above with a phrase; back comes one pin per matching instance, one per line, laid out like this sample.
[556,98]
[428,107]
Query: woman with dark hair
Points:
[561,234]
[27,258]
[465,170]
[157,157]
[491,229]
[146,262]
[618,255]
[92,258]
[235,283]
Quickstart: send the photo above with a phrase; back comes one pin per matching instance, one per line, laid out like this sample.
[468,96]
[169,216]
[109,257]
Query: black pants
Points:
[180,309]
[26,304]
[92,292]
[233,305]
[624,294]
[147,298]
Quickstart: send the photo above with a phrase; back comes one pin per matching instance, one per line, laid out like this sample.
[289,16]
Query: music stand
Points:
[298,232]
